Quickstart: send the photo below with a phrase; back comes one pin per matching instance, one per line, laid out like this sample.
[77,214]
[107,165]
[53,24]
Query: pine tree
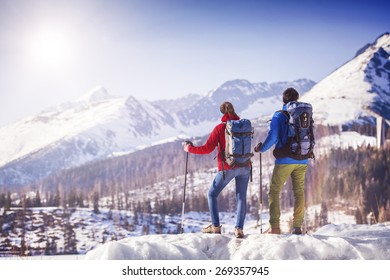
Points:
[51,246]
[37,202]
[109,214]
[70,242]
[323,214]
[8,202]
[163,213]
[57,198]
[95,198]
[316,220]
[22,219]
[135,218]
[1,225]
[2,200]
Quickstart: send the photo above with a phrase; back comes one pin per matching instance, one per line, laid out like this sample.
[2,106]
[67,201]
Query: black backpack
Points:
[300,139]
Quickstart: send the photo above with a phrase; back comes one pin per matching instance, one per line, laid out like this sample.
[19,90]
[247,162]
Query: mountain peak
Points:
[384,35]
[237,83]
[96,94]
[383,41]
[232,88]
[357,91]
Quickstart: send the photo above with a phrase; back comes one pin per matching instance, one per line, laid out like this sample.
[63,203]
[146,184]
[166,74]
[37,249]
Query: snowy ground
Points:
[340,240]
[331,242]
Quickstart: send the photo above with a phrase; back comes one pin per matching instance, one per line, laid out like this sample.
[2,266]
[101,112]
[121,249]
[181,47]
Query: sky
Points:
[56,51]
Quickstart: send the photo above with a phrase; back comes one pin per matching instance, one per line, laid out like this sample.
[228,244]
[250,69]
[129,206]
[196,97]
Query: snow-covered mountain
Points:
[98,125]
[359,89]
[249,101]
[94,127]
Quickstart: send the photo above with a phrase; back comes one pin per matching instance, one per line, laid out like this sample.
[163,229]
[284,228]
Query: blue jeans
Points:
[241,175]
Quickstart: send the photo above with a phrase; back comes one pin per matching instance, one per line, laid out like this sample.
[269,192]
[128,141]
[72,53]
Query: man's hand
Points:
[258,147]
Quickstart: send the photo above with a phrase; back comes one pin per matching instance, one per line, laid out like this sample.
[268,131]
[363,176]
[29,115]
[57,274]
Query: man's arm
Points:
[273,134]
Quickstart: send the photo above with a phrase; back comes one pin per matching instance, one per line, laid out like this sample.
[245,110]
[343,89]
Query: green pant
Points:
[279,177]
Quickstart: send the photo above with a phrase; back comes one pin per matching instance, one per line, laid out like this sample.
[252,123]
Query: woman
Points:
[225,175]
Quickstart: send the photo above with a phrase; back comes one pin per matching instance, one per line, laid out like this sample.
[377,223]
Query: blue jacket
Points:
[278,135]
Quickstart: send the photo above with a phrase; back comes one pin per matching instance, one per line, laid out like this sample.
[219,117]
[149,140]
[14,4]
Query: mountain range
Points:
[99,126]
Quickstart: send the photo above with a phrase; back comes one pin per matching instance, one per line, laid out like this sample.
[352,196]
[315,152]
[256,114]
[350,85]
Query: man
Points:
[285,166]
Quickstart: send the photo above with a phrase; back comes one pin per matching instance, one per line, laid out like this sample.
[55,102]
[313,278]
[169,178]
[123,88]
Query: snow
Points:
[96,94]
[243,85]
[340,97]
[43,129]
[347,92]
[331,242]
[263,107]
[344,140]
[340,240]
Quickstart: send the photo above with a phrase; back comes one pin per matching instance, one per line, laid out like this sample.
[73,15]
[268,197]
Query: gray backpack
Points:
[238,139]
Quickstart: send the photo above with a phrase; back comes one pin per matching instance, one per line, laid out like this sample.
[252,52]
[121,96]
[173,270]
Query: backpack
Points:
[300,138]
[238,139]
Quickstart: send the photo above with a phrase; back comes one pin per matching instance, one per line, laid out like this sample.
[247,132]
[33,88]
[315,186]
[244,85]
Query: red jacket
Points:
[216,136]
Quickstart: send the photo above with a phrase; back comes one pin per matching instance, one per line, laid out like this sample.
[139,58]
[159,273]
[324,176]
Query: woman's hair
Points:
[227,108]
[289,95]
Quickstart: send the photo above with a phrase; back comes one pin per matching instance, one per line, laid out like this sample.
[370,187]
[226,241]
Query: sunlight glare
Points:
[50,48]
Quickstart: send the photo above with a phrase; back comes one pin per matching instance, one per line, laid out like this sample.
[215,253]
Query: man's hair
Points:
[289,95]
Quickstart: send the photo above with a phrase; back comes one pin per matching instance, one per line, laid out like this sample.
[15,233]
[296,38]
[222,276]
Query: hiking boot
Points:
[212,229]
[238,232]
[275,231]
[297,230]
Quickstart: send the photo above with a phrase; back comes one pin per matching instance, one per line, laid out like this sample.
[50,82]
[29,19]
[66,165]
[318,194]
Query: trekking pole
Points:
[261,197]
[305,216]
[184,192]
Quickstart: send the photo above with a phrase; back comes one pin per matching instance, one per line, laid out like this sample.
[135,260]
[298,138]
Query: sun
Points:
[50,47]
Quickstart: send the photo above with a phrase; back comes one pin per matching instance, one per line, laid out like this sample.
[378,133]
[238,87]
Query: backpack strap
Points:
[285,151]
[297,140]
[222,154]
[311,153]
[286,114]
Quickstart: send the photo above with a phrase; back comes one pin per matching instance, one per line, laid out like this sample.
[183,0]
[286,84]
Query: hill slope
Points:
[358,90]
